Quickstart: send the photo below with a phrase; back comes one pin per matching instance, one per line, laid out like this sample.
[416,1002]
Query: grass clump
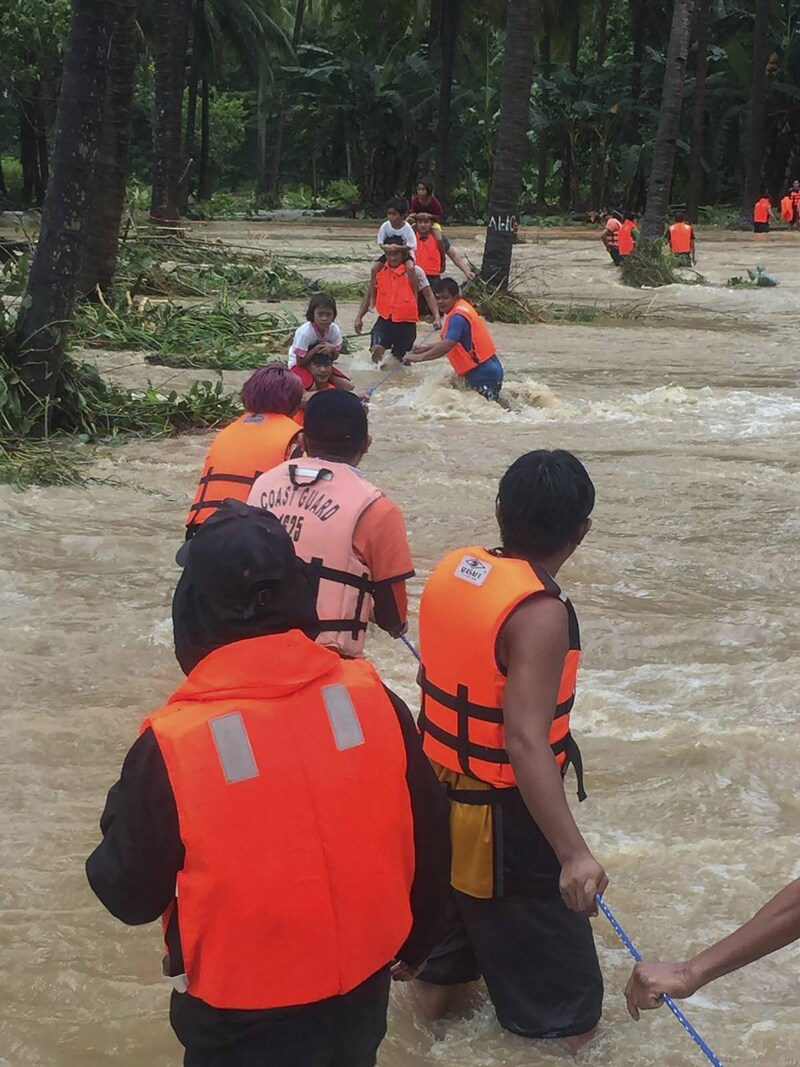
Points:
[503,305]
[32,463]
[221,335]
[651,265]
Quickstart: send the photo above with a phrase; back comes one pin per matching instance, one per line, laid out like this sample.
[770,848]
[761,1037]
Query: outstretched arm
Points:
[777,924]
[460,262]
[424,353]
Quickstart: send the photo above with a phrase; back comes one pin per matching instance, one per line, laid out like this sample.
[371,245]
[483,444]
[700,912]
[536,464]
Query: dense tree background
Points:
[307,102]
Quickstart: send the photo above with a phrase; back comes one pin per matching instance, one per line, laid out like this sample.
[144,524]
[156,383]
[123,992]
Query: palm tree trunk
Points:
[3,186]
[99,260]
[699,121]
[754,160]
[171,31]
[660,184]
[277,149]
[512,141]
[190,149]
[603,9]
[543,163]
[262,173]
[450,11]
[50,294]
[33,188]
[638,22]
[42,150]
[204,175]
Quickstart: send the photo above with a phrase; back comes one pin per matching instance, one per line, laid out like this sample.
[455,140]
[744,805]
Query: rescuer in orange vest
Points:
[279,816]
[395,300]
[762,213]
[432,248]
[794,197]
[627,236]
[466,342]
[499,648]
[681,239]
[346,528]
[261,438]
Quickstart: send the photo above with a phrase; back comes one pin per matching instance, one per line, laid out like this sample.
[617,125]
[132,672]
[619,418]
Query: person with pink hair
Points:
[264,436]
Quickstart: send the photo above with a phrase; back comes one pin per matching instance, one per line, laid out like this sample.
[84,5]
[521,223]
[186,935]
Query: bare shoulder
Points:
[540,624]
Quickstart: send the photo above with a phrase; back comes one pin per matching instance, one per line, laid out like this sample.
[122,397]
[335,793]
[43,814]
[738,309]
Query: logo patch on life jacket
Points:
[472,570]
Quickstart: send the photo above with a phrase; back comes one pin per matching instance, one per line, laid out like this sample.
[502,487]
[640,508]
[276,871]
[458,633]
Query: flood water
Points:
[687,589]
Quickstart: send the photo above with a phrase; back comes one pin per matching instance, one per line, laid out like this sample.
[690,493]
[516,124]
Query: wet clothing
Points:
[761,211]
[398,337]
[681,237]
[160,830]
[473,356]
[627,237]
[487,379]
[358,555]
[342,1031]
[760,227]
[238,454]
[537,957]
[613,227]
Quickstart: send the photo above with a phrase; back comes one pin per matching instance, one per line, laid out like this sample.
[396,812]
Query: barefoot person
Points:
[466,342]
[500,645]
[776,925]
[278,816]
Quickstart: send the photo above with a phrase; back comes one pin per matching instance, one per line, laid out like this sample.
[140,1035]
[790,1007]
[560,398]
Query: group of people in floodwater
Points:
[302,838]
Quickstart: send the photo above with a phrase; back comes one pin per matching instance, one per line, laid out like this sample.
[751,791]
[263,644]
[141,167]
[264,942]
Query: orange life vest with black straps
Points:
[429,255]
[483,347]
[680,238]
[625,238]
[395,298]
[288,768]
[787,208]
[761,210]
[465,603]
[238,454]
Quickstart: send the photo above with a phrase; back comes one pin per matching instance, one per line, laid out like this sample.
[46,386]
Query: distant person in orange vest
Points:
[681,239]
[794,196]
[432,248]
[610,236]
[466,342]
[500,647]
[762,213]
[346,528]
[261,438]
[628,235]
[787,211]
[278,815]
[395,300]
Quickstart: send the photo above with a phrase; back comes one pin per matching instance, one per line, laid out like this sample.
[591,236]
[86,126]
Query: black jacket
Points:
[134,869]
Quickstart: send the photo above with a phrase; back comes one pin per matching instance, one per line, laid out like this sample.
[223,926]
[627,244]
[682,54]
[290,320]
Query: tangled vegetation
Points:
[651,264]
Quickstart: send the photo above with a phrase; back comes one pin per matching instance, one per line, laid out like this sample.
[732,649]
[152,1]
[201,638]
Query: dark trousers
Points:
[343,1031]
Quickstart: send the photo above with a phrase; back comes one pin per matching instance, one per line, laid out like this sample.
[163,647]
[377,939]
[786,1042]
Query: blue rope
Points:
[676,1011]
[410,647]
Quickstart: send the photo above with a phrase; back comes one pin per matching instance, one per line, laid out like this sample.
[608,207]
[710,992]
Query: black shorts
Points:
[537,957]
[399,336]
[760,227]
[422,303]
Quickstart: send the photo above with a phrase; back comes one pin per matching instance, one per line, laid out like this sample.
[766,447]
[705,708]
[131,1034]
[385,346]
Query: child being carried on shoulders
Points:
[320,326]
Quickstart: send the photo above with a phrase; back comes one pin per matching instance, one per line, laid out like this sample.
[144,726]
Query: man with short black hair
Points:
[466,342]
[280,817]
[499,645]
[353,536]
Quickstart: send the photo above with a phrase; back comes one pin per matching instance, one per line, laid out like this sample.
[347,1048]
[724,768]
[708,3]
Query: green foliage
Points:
[342,193]
[31,463]
[650,265]
[503,305]
[227,114]
[12,172]
[756,279]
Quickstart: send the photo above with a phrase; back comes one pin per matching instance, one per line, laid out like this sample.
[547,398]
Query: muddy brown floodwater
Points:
[687,589]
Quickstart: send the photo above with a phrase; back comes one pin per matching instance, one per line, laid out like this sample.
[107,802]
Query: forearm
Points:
[430,300]
[776,925]
[459,261]
[365,304]
[542,788]
[435,351]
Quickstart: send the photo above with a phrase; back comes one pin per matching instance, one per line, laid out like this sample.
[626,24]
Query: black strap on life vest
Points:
[363,583]
[322,474]
[218,476]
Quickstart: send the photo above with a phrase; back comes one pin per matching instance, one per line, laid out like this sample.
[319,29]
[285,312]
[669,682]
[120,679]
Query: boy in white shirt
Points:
[396,225]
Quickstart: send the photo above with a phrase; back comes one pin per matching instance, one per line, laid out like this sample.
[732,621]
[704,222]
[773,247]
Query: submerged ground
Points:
[687,413]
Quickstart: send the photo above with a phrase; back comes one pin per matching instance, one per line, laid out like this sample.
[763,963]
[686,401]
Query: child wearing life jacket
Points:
[319,326]
[395,297]
[762,213]
[432,248]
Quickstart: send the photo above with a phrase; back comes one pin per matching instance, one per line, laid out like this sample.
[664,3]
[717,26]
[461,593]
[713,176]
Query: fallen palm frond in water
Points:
[503,305]
[220,335]
[651,265]
[31,463]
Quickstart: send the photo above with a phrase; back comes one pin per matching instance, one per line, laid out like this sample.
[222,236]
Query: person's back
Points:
[259,439]
[681,238]
[279,816]
[352,536]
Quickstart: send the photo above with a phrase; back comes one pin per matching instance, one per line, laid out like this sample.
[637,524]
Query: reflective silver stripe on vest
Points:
[233,747]
[346,728]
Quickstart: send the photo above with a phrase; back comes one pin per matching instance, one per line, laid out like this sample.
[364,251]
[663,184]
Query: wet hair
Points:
[447,285]
[543,500]
[321,300]
[680,216]
[272,390]
[399,204]
[427,183]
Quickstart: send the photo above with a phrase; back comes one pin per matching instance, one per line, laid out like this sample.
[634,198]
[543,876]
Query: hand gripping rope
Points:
[629,945]
[676,1011]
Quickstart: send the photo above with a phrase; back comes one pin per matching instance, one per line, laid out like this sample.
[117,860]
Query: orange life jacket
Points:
[680,238]
[238,454]
[465,603]
[319,503]
[483,347]
[787,209]
[625,239]
[761,210]
[794,196]
[613,226]
[429,255]
[395,298]
[288,768]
